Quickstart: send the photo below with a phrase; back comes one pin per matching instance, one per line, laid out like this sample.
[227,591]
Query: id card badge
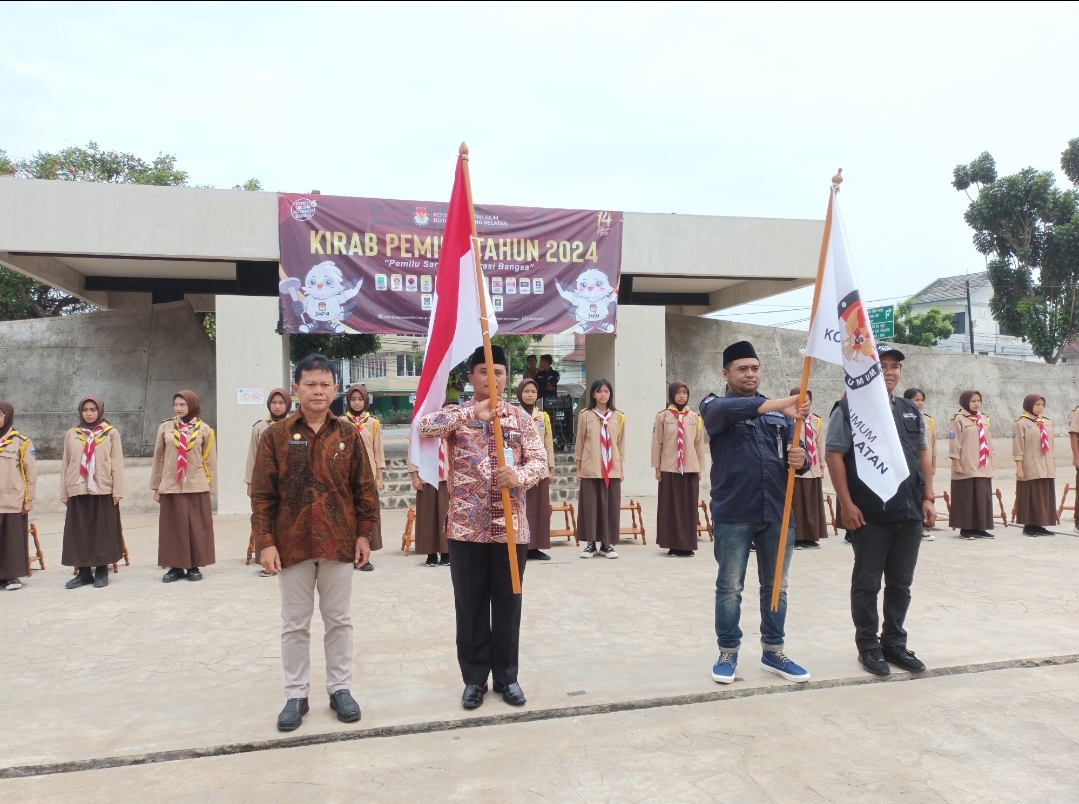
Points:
[508,454]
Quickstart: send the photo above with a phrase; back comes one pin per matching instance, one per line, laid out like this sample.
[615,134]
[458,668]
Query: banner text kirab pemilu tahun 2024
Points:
[368,265]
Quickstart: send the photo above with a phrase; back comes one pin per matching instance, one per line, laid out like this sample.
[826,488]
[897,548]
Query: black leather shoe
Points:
[511,693]
[174,574]
[899,655]
[873,662]
[292,715]
[84,578]
[342,702]
[193,574]
[368,567]
[101,577]
[473,696]
[538,555]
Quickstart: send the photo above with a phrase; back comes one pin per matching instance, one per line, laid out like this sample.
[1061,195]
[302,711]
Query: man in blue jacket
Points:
[750,437]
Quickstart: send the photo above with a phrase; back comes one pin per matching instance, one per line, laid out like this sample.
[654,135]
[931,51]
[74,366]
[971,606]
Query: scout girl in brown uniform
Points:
[917,396]
[279,404]
[601,441]
[678,458]
[185,460]
[432,508]
[538,498]
[92,484]
[810,524]
[1035,468]
[370,431]
[18,485]
[971,453]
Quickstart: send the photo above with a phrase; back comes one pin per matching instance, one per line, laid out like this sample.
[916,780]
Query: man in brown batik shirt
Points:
[314,503]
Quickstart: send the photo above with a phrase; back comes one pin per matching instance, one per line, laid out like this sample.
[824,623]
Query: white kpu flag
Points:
[840,334]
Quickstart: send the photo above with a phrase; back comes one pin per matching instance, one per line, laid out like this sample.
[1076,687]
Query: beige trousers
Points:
[333,579]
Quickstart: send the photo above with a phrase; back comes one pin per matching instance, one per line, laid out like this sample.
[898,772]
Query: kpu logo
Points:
[421,217]
[303,209]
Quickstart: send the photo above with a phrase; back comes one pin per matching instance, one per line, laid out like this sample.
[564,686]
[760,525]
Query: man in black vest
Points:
[885,535]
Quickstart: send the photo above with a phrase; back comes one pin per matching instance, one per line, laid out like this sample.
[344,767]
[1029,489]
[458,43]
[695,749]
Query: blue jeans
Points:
[732,541]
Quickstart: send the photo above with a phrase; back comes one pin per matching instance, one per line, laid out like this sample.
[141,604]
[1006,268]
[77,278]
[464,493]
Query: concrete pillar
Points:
[634,360]
[250,354]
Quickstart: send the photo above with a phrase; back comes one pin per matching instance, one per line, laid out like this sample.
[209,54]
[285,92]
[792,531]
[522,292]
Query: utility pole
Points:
[970,320]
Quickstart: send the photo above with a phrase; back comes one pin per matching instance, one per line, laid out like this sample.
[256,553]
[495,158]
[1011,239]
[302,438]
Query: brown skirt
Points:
[93,536]
[810,523]
[538,512]
[676,512]
[1035,502]
[432,506]
[185,532]
[599,510]
[972,504]
[14,546]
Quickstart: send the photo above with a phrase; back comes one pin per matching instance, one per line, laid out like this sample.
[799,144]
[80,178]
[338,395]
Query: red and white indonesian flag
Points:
[840,333]
[454,330]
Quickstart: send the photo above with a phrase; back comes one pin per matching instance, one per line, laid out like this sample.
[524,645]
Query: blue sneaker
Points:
[723,669]
[776,661]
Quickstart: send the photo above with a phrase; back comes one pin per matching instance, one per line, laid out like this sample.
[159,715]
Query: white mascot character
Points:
[591,301]
[327,300]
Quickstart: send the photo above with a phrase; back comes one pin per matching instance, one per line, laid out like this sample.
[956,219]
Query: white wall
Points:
[634,360]
[250,354]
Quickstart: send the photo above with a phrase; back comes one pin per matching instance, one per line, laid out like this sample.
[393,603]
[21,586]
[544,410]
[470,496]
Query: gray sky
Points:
[716,110]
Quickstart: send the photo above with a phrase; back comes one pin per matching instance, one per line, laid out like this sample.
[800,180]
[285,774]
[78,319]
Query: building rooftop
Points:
[950,288]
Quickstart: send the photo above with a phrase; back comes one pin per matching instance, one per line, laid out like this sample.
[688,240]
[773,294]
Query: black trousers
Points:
[488,613]
[888,549]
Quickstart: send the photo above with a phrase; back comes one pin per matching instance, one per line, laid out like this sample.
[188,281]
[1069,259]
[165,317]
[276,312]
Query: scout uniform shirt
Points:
[816,460]
[665,442]
[18,473]
[965,447]
[1073,420]
[543,426]
[257,431]
[1027,447]
[370,430]
[587,450]
[108,464]
[476,513]
[201,459]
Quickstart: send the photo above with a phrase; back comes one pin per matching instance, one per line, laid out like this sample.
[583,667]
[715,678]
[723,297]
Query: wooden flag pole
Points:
[492,386]
[788,501]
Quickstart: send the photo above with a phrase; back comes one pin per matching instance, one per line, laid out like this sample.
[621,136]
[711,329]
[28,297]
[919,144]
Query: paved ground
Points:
[141,667]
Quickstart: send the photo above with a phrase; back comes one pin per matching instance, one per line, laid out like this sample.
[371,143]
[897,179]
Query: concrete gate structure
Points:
[130,247]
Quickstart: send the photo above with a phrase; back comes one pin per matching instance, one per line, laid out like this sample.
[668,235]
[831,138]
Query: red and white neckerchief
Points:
[359,422]
[681,416]
[1040,421]
[983,444]
[90,438]
[605,453]
[811,440]
[441,459]
[182,434]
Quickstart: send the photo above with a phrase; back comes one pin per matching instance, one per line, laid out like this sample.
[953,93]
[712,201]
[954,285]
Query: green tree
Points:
[93,163]
[22,297]
[517,348]
[332,346]
[1028,230]
[923,329]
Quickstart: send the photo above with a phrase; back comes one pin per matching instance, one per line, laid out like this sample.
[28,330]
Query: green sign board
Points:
[882,320]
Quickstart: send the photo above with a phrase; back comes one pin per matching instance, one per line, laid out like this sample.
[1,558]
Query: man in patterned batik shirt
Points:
[488,613]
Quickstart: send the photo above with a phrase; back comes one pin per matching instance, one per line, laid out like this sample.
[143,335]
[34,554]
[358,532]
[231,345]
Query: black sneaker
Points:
[846,537]
[84,578]
[1044,531]
[538,555]
[193,574]
[1031,532]
[811,545]
[432,560]
[445,562]
[873,662]
[608,551]
[101,577]
[12,584]
[589,550]
[987,534]
[174,574]
[969,534]
[899,655]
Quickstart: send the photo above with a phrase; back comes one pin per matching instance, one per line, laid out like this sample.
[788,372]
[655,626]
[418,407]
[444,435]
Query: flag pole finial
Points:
[463,150]
[837,179]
